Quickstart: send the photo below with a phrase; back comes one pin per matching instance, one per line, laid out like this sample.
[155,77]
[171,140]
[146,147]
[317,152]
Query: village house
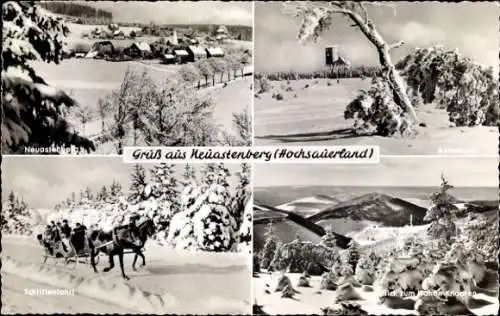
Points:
[138,49]
[168,59]
[215,52]
[118,34]
[101,49]
[196,53]
[221,35]
[181,56]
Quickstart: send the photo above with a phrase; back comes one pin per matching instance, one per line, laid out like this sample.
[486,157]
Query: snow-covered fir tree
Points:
[242,196]
[442,216]
[16,217]
[103,194]
[33,112]
[207,224]
[245,231]
[400,275]
[138,184]
[270,246]
[352,255]
[329,240]
[115,191]
[188,175]
[366,268]
[165,190]
[275,261]
[480,234]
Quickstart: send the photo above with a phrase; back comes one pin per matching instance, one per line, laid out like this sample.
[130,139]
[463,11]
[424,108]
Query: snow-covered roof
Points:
[222,29]
[215,51]
[168,56]
[181,52]
[143,46]
[197,50]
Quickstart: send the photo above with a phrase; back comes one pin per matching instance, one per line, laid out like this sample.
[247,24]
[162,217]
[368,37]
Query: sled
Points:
[66,253]
[81,256]
[53,250]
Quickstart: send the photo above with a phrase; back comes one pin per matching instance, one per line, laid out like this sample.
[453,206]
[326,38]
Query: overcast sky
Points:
[470,27]
[476,172]
[43,182]
[178,12]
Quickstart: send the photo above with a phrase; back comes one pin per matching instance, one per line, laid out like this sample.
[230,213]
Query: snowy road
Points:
[174,282]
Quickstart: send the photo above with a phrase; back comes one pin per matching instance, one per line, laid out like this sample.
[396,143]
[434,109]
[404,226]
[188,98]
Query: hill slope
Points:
[310,205]
[288,227]
[378,208]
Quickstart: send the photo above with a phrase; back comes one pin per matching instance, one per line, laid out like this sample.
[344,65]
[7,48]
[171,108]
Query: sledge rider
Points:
[131,228]
[65,229]
[47,239]
[76,237]
[78,228]
[60,235]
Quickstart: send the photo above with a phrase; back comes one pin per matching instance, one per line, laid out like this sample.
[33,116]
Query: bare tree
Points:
[317,18]
[84,114]
[103,109]
[206,69]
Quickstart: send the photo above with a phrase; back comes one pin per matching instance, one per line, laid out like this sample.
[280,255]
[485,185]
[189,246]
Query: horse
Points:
[101,241]
[146,229]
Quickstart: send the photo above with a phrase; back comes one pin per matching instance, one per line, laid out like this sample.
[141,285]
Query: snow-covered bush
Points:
[401,275]
[480,235]
[296,256]
[466,90]
[283,282]
[375,112]
[303,281]
[450,283]
[366,269]
[328,281]
[344,308]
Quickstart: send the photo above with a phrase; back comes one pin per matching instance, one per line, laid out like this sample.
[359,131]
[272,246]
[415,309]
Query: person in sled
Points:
[47,239]
[131,229]
[60,235]
[78,237]
[66,229]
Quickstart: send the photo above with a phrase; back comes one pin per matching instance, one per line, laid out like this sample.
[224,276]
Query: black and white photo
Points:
[95,76]
[123,238]
[413,78]
[408,236]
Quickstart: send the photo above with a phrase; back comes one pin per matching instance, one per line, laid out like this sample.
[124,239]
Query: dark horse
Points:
[100,241]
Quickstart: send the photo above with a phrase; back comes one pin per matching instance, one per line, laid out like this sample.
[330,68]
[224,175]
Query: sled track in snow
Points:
[113,291]
[116,291]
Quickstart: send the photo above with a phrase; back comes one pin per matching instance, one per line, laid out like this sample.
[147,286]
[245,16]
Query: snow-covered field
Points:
[310,300]
[310,116]
[171,282]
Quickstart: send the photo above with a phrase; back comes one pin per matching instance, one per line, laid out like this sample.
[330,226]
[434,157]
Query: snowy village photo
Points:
[94,76]
[413,78]
[123,238]
[412,236]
